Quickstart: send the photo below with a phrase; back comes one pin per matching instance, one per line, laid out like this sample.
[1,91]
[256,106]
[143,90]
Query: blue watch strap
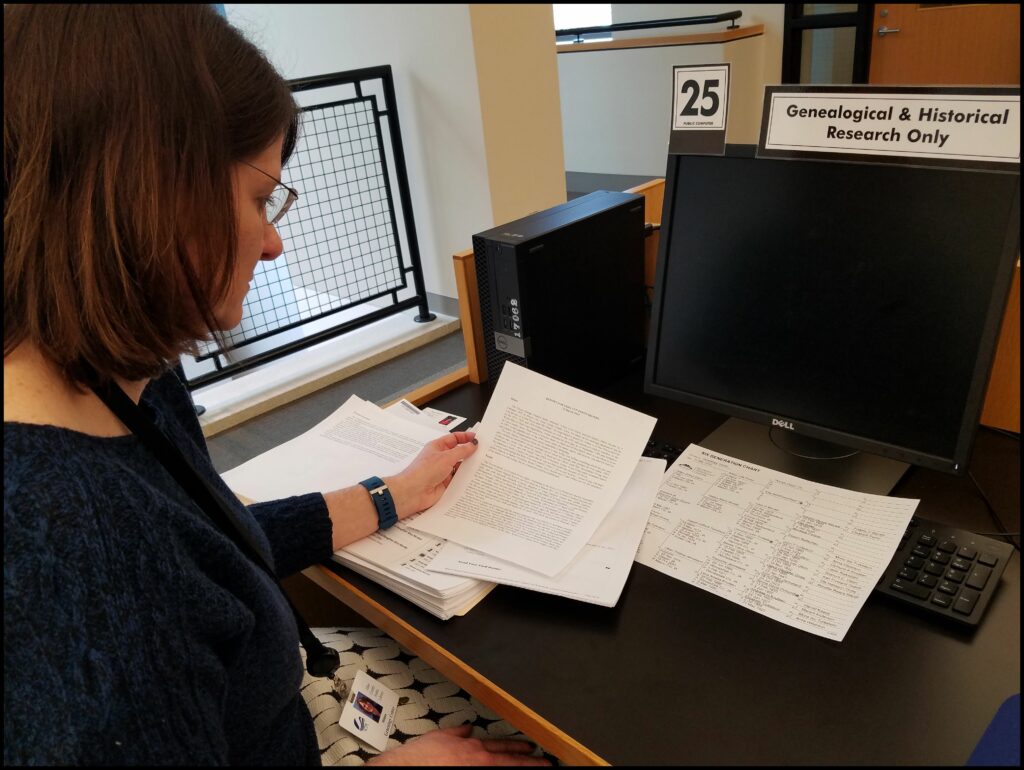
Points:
[387,514]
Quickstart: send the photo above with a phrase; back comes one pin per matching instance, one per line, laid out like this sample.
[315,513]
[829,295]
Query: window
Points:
[826,43]
[573,16]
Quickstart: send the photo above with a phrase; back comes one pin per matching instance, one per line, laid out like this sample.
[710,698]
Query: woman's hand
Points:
[453,746]
[421,484]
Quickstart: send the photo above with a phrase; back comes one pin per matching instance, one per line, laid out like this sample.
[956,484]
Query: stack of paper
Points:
[598,573]
[558,498]
[399,559]
[554,499]
[357,441]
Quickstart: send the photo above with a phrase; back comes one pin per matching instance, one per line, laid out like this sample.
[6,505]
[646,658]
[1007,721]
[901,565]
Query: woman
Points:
[142,151]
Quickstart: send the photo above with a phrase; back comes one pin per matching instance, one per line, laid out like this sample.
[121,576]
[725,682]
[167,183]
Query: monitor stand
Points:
[791,453]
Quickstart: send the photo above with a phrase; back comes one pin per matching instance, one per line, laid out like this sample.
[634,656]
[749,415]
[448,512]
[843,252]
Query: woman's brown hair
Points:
[122,124]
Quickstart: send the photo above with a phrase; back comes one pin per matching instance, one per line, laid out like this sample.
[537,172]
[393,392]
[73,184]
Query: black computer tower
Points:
[562,290]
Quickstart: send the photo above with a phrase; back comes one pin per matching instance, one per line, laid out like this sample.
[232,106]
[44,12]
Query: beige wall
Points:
[746,91]
[771,15]
[517,74]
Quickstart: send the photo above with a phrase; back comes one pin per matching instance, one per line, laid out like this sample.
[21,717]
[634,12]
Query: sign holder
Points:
[699,109]
[953,127]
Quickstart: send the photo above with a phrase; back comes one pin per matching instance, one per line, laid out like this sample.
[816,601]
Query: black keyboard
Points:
[662,451]
[945,571]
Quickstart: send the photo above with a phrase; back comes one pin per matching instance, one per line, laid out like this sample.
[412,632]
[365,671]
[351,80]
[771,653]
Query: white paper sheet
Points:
[598,574]
[406,553]
[455,605]
[801,553]
[551,463]
[356,441]
[429,416]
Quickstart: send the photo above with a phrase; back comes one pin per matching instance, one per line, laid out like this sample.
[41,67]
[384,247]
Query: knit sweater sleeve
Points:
[298,528]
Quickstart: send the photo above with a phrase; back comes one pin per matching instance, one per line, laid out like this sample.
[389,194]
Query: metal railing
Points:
[348,241]
[625,26]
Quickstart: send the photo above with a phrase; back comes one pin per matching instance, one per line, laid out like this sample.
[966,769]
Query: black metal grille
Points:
[342,239]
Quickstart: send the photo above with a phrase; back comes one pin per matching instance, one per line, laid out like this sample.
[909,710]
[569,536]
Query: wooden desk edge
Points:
[435,388]
[532,724]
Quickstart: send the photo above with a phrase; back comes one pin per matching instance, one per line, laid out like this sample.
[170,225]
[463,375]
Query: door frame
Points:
[796,21]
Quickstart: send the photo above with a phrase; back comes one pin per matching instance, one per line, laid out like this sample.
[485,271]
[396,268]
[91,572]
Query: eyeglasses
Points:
[279,201]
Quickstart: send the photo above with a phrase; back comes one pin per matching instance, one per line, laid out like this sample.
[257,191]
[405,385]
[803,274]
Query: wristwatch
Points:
[387,515]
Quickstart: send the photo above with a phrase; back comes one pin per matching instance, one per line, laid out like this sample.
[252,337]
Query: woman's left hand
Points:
[421,484]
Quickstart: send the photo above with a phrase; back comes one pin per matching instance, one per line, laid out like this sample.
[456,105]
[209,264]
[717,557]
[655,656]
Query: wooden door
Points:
[1002,400]
[945,44]
[960,45]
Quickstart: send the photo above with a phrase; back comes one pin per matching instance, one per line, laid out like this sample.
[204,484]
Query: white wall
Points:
[430,50]
[772,15]
[616,104]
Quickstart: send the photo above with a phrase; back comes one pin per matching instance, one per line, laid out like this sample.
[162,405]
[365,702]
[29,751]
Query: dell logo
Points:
[777,423]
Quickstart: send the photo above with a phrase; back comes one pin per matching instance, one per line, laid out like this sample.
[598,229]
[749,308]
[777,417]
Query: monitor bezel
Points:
[957,463]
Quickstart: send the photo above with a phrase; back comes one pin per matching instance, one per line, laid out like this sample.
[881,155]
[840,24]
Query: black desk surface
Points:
[676,675]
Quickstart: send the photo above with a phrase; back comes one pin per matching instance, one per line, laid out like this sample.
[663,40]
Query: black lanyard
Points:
[320,659]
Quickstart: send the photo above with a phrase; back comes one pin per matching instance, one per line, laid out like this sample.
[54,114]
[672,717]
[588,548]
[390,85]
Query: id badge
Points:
[369,712]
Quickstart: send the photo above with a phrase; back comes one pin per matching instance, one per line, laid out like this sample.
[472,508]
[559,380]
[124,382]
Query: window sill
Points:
[231,402]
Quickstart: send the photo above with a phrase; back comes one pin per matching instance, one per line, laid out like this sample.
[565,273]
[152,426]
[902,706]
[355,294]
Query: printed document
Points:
[357,441]
[801,553]
[551,463]
[428,416]
[599,573]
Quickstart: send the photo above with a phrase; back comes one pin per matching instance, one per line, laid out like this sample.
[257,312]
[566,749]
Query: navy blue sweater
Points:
[135,632]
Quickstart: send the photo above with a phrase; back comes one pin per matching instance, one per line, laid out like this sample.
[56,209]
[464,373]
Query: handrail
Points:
[624,26]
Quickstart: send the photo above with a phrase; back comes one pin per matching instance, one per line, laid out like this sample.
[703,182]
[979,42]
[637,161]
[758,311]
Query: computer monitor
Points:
[852,303]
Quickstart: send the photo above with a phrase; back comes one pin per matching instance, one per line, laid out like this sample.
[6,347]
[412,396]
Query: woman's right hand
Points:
[453,746]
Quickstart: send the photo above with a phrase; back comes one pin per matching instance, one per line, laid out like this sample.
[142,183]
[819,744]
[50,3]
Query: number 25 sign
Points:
[701,97]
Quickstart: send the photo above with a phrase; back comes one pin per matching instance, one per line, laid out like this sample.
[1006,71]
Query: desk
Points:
[676,675]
